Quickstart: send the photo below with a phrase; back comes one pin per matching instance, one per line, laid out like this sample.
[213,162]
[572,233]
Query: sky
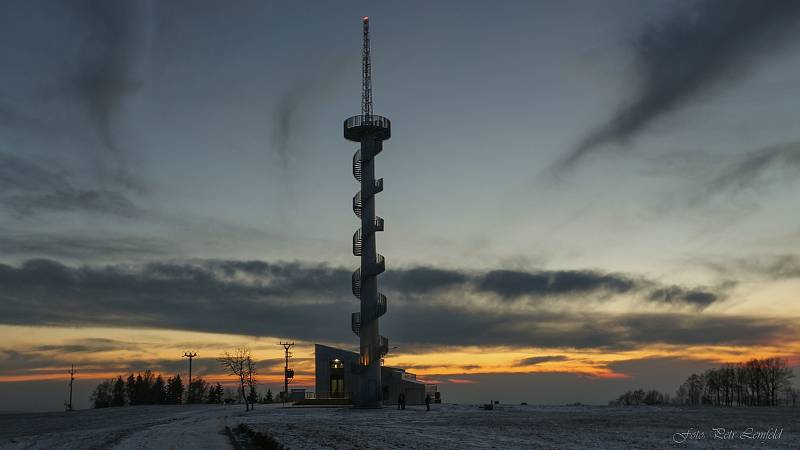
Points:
[580,197]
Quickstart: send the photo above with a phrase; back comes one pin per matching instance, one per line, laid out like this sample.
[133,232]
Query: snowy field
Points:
[447,427]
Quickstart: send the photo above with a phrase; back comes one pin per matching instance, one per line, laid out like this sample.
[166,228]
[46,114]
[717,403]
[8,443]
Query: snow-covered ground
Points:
[136,427]
[447,426]
[563,427]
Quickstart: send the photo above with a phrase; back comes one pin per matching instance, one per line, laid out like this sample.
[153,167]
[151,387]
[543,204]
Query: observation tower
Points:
[370,131]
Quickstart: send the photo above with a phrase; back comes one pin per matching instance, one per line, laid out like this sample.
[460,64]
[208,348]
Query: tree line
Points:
[757,382]
[641,397]
[150,389]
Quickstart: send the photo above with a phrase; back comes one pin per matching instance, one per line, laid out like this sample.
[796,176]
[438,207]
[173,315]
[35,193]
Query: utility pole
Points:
[189,387]
[287,372]
[71,380]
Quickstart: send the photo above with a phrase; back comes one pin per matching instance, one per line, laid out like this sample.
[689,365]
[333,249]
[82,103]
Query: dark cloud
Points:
[692,329]
[512,283]
[699,47]
[533,360]
[469,326]
[543,284]
[255,299]
[422,280]
[313,302]
[677,294]
[28,188]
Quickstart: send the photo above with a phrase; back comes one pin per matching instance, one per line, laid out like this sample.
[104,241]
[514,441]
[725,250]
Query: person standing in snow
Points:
[428,401]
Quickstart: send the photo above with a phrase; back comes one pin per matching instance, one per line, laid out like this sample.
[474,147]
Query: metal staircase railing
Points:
[355,323]
[358,206]
[383,346]
[356,283]
[380,265]
[357,243]
[373,313]
[357,165]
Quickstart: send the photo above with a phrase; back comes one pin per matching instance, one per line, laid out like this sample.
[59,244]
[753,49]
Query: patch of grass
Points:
[258,440]
[324,402]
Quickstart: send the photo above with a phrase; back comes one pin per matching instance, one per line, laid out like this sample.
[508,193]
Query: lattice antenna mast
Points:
[366,75]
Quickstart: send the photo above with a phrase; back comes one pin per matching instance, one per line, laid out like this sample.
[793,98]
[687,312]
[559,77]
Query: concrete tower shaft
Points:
[370,131]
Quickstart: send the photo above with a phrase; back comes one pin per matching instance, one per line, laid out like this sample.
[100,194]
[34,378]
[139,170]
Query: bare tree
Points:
[777,376]
[250,371]
[239,363]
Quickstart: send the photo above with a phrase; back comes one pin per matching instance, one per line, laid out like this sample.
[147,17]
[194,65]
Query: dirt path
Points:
[197,430]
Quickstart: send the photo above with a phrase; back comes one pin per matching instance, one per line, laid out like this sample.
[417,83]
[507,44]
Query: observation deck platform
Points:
[356,127]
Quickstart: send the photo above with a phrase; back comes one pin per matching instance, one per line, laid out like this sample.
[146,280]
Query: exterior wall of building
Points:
[394,380]
[415,392]
[323,355]
[296,394]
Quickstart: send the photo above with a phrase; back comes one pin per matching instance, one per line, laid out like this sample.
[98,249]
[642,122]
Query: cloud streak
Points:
[28,188]
[754,167]
[107,61]
[701,46]
[534,360]
[292,100]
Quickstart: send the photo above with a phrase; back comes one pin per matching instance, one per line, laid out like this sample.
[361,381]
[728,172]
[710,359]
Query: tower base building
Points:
[334,378]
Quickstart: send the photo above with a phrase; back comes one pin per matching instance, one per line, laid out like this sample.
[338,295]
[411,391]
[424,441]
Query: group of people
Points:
[401,401]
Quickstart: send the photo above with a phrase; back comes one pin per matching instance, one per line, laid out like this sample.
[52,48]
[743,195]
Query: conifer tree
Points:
[213,397]
[268,398]
[118,393]
[130,389]
[157,391]
[196,391]
[175,390]
[101,396]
